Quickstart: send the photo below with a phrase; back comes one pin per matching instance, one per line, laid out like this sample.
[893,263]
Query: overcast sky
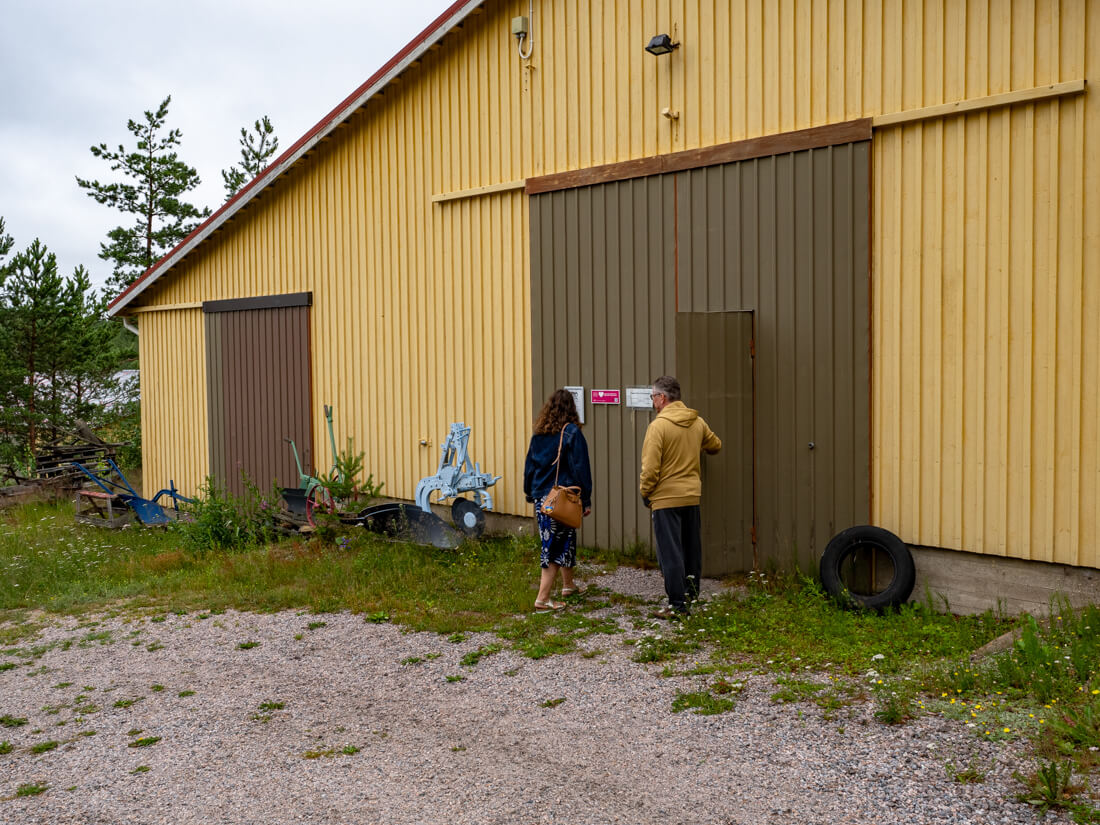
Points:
[72,72]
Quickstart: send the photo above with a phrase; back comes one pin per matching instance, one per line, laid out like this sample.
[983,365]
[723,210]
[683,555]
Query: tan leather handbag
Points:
[563,504]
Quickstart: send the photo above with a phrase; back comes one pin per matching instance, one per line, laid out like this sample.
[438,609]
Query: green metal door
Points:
[714,366]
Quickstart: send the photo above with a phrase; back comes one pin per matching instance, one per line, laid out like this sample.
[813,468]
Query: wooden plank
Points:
[758,147]
[165,307]
[507,186]
[977,104]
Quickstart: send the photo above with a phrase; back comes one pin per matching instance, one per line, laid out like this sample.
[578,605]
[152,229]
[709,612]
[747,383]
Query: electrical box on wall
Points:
[520,26]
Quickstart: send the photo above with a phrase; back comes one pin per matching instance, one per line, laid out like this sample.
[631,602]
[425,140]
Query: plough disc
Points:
[468,517]
[408,522]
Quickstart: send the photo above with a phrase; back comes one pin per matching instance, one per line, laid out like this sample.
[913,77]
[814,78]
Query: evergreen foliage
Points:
[156,181]
[62,356]
[257,147]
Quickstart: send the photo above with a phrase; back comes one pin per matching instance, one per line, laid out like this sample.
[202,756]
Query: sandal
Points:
[575,590]
[547,607]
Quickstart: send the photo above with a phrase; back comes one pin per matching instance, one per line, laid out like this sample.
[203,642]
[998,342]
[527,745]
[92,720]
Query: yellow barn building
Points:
[864,235]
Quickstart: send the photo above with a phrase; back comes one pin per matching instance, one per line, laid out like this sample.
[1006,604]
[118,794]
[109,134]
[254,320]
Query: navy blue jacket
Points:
[539,469]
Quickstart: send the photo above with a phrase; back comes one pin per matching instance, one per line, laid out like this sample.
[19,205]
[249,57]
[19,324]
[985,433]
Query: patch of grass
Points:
[794,690]
[970,774]
[141,769]
[247,645]
[125,703]
[63,685]
[538,636]
[791,624]
[328,753]
[152,647]
[87,733]
[457,638]
[7,666]
[893,707]
[9,721]
[103,637]
[144,742]
[660,647]
[475,656]
[47,563]
[6,747]
[377,617]
[44,747]
[552,703]
[701,702]
[156,688]
[316,625]
[183,694]
[31,789]
[412,660]
[268,706]
[457,677]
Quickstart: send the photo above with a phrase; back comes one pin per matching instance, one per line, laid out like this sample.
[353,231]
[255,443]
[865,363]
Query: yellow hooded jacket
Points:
[670,457]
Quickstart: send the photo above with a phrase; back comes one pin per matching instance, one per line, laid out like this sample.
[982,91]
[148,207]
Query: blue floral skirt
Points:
[559,542]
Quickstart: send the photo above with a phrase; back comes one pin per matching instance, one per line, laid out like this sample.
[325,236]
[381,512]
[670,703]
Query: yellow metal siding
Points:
[985,371]
[985,405]
[420,312]
[173,400]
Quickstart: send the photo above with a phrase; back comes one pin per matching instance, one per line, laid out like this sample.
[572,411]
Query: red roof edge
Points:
[338,113]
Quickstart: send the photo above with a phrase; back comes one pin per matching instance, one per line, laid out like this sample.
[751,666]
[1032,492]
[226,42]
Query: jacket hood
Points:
[678,414]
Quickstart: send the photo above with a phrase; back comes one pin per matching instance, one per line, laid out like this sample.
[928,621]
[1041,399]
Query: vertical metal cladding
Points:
[258,371]
[983,405]
[603,308]
[714,366]
[173,399]
[787,237]
[986,410]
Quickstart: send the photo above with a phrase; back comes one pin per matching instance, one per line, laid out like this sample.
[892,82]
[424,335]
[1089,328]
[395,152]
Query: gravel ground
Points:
[432,750]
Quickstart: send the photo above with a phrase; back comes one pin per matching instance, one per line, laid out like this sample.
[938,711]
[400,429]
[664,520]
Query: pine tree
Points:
[153,197]
[33,318]
[10,375]
[257,147]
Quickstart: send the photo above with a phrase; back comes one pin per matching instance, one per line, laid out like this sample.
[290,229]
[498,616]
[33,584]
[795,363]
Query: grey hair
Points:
[668,387]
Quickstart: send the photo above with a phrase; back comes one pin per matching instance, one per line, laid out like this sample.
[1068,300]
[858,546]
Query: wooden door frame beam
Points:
[758,147]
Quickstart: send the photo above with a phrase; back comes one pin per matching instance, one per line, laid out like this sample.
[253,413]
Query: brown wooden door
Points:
[258,389]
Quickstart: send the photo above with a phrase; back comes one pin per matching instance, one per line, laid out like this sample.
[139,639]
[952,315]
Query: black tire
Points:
[468,517]
[845,545]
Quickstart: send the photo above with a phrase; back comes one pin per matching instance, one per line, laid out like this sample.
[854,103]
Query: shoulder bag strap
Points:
[557,460]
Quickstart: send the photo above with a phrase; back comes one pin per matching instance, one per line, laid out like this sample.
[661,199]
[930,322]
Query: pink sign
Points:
[605,396]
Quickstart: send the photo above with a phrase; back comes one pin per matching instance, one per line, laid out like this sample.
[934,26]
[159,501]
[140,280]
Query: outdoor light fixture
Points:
[661,44]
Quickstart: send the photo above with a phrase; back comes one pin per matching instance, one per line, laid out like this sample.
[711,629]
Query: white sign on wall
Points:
[638,398]
[578,399]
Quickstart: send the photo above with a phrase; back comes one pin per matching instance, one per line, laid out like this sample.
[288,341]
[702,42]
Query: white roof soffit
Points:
[435,32]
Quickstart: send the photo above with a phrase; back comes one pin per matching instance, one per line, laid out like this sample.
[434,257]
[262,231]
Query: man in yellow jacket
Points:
[671,487]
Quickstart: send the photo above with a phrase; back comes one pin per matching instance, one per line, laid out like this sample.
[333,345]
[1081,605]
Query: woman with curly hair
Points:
[557,427]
